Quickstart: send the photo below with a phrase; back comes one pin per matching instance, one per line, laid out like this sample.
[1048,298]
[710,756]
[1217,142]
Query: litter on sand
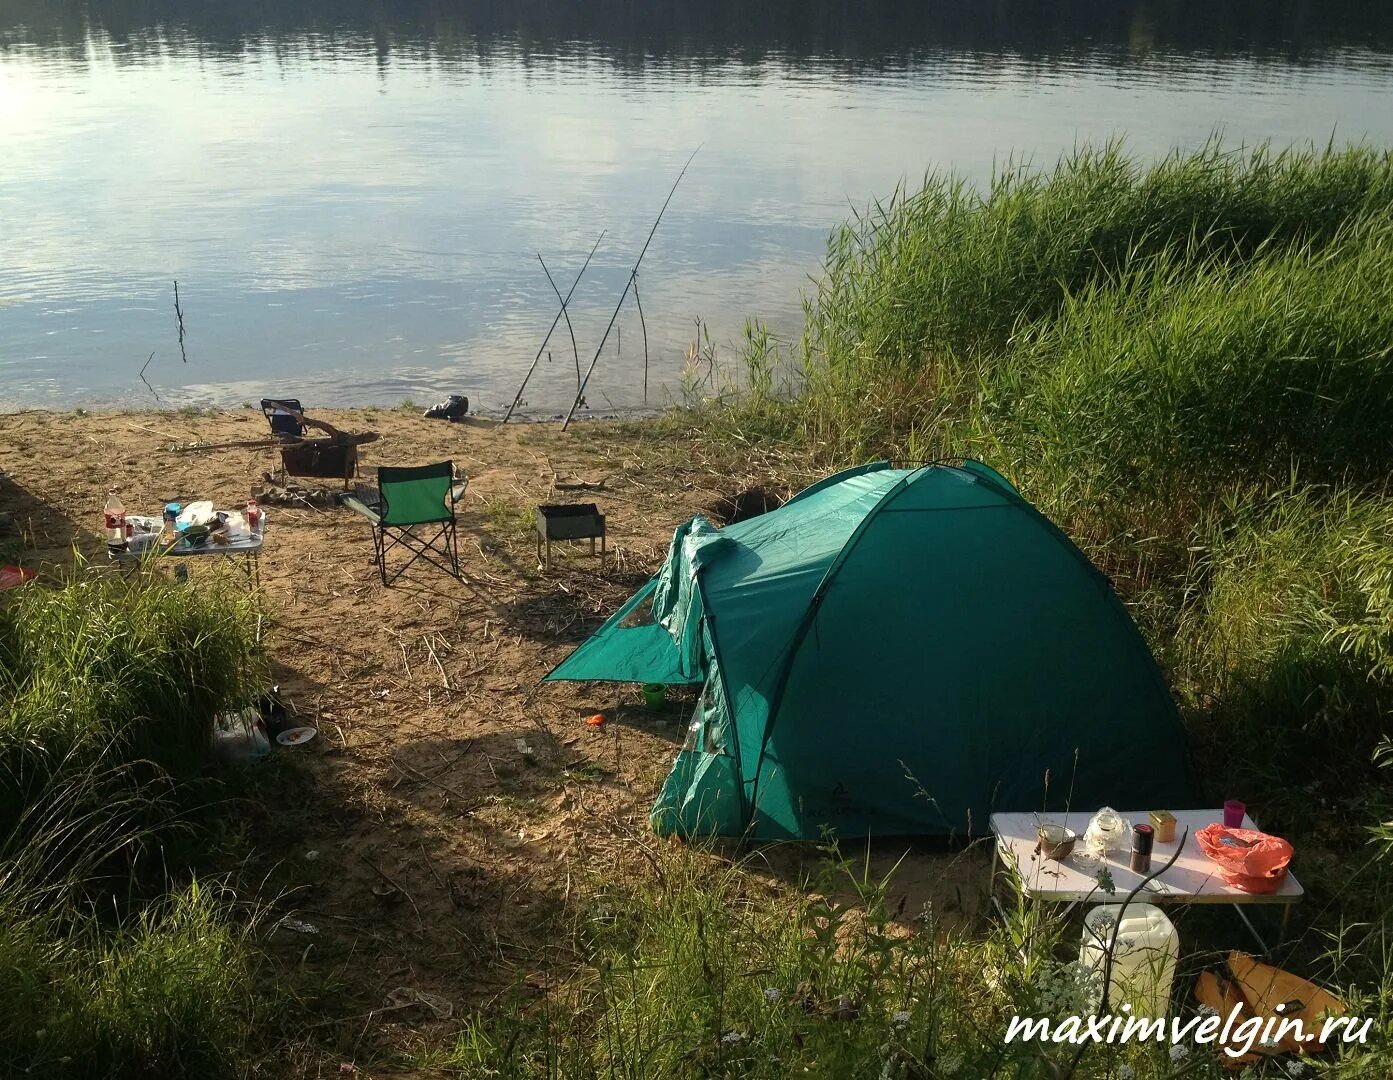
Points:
[405,996]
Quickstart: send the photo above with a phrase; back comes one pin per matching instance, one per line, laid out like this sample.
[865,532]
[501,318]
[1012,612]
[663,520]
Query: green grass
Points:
[115,959]
[170,991]
[941,308]
[509,519]
[97,673]
[707,970]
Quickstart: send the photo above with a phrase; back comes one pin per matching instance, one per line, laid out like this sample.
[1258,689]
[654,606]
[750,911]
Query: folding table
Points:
[1194,879]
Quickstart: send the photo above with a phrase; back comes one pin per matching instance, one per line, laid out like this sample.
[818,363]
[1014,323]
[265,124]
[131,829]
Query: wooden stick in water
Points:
[179,314]
[644,327]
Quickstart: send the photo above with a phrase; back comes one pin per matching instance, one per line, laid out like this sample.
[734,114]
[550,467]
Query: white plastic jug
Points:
[1144,956]
[240,736]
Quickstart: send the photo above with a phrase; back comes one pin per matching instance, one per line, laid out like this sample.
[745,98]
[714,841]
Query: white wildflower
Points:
[1126,1072]
[772,994]
[900,1019]
[1296,1068]
[1207,1010]
[1269,1044]
[1179,1051]
[731,1037]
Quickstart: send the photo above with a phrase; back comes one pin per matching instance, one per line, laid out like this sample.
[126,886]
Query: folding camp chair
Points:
[407,499]
[285,416]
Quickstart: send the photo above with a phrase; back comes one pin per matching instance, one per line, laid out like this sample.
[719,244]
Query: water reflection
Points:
[866,34]
[352,198]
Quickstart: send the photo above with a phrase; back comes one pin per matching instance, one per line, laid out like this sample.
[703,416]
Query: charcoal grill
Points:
[321,458]
[569,521]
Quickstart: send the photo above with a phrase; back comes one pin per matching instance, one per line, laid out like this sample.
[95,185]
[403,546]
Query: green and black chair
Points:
[410,500]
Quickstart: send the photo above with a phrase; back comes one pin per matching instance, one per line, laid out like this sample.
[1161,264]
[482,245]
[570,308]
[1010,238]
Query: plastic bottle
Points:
[114,520]
[1143,959]
[253,518]
[169,527]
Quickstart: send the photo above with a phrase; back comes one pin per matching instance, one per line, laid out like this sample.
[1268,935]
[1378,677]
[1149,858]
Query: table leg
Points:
[1282,931]
[1266,952]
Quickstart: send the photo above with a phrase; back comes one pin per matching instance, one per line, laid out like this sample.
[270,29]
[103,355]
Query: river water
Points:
[353,201]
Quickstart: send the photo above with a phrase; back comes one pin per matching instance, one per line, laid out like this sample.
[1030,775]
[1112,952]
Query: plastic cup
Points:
[1234,810]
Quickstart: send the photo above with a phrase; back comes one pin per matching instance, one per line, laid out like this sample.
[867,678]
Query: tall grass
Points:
[706,970]
[924,295]
[1285,654]
[114,959]
[1176,377]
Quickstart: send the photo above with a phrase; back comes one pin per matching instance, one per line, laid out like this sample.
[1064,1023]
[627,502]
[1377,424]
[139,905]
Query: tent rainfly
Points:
[893,652]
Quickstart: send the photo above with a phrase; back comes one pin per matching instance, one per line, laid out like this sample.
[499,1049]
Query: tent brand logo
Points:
[839,802]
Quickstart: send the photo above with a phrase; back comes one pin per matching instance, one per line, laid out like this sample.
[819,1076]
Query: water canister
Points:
[1144,957]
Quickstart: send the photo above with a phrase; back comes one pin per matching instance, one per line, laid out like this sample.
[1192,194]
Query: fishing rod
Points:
[580,393]
[518,396]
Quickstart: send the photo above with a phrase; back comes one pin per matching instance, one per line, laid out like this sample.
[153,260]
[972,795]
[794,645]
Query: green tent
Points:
[893,652]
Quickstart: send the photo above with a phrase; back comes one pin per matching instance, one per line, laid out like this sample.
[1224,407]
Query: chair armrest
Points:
[359,507]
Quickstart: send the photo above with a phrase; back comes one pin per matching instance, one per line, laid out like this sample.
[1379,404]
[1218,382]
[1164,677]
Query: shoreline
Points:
[490,416]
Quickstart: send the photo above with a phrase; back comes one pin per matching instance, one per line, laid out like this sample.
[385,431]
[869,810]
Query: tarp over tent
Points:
[893,652]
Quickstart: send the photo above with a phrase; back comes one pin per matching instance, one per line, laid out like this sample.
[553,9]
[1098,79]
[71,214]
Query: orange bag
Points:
[1249,860]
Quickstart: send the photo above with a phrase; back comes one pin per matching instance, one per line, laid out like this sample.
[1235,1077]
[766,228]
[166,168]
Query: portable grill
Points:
[569,521]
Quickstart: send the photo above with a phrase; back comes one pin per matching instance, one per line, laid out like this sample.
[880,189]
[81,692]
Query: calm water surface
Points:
[353,203]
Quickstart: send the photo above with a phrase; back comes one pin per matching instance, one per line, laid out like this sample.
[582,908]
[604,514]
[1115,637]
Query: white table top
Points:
[1194,879]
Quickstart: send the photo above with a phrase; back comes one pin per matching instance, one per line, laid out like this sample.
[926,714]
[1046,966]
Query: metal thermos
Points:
[1143,837]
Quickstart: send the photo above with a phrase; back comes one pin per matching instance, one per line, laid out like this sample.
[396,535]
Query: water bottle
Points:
[253,518]
[114,521]
[169,529]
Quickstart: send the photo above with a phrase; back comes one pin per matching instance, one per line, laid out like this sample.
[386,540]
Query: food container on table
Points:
[1056,841]
[196,513]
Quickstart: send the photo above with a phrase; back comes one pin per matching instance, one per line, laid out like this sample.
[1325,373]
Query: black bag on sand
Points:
[452,408]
